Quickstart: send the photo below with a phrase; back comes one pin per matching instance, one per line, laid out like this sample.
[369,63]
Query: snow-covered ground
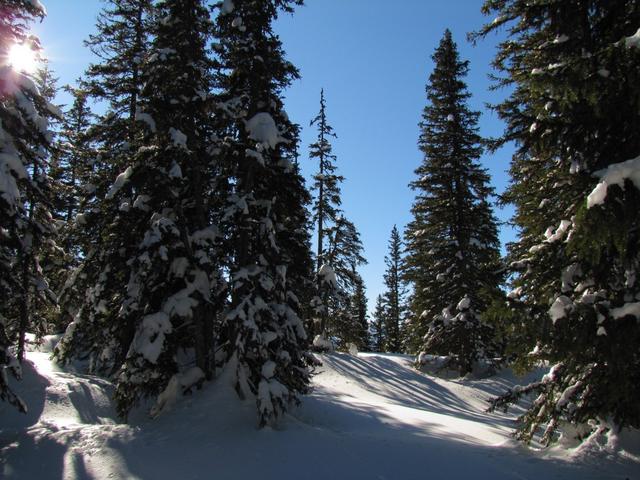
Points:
[370,417]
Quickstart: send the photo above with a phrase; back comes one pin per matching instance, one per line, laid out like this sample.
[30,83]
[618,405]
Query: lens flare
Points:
[23,58]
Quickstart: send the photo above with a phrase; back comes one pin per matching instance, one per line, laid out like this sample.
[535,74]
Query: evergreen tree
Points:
[265,336]
[27,231]
[349,317]
[378,333]
[296,239]
[326,210]
[71,168]
[53,261]
[343,256]
[452,243]
[72,164]
[174,289]
[574,116]
[359,316]
[105,228]
[394,294]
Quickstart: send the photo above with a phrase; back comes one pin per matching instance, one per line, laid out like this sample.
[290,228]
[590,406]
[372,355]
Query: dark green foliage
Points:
[27,229]
[358,301]
[106,231]
[394,295]
[573,113]
[264,334]
[349,323]
[71,168]
[378,333]
[343,256]
[339,248]
[325,209]
[452,244]
[149,315]
[174,285]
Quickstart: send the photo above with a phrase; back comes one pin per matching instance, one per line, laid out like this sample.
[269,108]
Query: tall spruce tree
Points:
[452,243]
[71,168]
[54,262]
[265,337]
[326,211]
[574,114]
[175,289]
[378,332]
[105,230]
[73,163]
[27,230]
[395,293]
[359,316]
[343,256]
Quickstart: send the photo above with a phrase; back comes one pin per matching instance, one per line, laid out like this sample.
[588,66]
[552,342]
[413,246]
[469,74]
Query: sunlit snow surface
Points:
[369,417]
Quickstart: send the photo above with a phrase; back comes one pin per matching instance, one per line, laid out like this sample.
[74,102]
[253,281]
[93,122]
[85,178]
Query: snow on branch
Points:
[615,174]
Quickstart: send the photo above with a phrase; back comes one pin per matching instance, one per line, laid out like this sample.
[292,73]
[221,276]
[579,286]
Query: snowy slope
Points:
[370,417]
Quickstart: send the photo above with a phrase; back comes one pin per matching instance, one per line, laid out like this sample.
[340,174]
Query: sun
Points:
[22,58]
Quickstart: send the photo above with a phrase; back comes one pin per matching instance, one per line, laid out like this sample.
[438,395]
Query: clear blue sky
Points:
[373,58]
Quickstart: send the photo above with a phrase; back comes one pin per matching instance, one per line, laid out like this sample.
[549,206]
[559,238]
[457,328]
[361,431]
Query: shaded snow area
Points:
[370,417]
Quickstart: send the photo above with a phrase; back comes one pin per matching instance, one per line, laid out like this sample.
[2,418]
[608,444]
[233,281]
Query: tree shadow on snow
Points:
[407,387]
[33,456]
[91,401]
[32,389]
[362,443]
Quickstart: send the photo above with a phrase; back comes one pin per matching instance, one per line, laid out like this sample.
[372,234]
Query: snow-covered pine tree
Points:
[73,162]
[349,316]
[265,337]
[27,229]
[104,226]
[452,243]
[343,255]
[394,295]
[175,289]
[359,316]
[326,211]
[71,168]
[295,239]
[378,333]
[54,261]
[574,114]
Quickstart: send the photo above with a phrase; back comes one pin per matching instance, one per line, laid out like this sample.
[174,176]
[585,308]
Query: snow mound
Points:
[372,415]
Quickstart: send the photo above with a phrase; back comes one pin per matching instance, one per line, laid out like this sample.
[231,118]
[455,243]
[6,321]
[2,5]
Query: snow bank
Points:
[177,386]
[374,416]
